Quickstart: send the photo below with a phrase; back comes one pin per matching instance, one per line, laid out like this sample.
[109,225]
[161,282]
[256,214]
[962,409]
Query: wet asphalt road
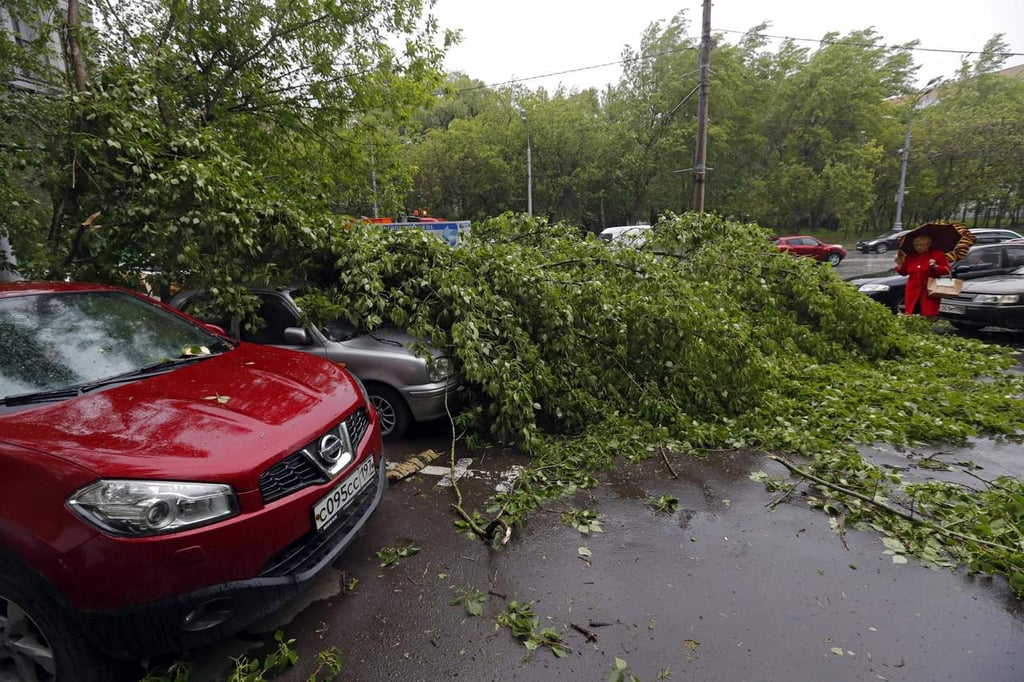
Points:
[725,588]
[858,264]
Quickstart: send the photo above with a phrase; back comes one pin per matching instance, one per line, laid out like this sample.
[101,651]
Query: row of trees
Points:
[798,139]
[217,142]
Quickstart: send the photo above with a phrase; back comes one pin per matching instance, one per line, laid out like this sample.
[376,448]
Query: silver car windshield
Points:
[54,341]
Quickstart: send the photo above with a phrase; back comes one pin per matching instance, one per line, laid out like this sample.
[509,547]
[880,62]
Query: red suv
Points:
[812,247]
[161,486]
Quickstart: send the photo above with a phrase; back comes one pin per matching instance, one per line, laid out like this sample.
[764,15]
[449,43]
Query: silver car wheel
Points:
[26,655]
[834,259]
[881,248]
[385,413]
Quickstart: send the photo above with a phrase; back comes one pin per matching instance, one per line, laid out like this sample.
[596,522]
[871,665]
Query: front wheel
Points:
[834,259]
[38,640]
[392,411]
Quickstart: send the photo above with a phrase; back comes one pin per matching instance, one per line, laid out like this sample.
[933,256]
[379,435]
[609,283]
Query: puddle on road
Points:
[971,464]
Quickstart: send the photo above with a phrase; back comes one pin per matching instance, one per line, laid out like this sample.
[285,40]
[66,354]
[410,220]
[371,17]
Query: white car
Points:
[625,235]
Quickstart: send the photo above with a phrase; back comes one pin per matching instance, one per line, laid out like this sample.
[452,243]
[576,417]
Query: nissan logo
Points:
[331,449]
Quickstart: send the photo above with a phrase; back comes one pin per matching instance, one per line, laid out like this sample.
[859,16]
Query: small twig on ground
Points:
[590,635]
[990,484]
[781,498]
[938,454]
[672,471]
[842,533]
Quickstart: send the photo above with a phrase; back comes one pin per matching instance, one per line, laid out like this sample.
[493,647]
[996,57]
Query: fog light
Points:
[208,615]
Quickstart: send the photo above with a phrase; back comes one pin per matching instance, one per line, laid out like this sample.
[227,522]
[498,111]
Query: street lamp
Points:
[898,223]
[529,164]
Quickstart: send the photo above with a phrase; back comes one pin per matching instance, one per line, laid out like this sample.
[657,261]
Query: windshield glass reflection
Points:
[54,341]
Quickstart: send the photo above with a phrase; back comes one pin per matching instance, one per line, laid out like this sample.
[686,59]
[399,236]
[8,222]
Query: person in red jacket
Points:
[923,263]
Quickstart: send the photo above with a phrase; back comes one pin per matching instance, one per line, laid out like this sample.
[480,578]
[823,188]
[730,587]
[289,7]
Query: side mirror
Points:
[296,336]
[215,328]
[961,267]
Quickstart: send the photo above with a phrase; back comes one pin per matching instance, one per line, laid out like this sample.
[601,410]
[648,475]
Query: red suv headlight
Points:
[132,508]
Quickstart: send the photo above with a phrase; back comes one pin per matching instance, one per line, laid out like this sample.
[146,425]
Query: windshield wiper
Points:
[40,396]
[79,389]
[154,368]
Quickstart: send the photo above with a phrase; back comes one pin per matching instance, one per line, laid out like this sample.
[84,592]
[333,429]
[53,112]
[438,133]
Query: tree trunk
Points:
[66,204]
[77,65]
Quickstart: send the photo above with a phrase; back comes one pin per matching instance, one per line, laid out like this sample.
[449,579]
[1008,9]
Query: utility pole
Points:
[700,163]
[529,174]
[373,181]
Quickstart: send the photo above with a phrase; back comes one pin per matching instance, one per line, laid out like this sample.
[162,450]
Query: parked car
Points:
[981,261]
[890,241]
[625,235]
[163,486]
[983,236]
[996,301]
[403,387]
[812,247]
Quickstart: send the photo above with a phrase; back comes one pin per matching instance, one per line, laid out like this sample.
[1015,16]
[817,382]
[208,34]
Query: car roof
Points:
[23,288]
[998,245]
[619,229]
[987,230]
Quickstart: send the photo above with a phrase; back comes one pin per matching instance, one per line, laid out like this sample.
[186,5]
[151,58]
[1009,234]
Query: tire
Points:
[881,248]
[392,411]
[833,259]
[39,639]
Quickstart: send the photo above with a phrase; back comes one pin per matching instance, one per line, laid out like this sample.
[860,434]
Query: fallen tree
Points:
[582,355]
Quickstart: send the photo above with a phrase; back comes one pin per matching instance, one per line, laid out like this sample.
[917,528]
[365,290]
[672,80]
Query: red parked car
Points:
[812,247]
[161,485]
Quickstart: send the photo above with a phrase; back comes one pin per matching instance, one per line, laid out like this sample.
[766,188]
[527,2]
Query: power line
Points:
[858,44]
[620,62]
[513,81]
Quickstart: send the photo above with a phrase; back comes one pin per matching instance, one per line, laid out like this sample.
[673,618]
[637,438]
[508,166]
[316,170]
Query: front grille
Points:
[296,471]
[357,425]
[293,473]
[309,550]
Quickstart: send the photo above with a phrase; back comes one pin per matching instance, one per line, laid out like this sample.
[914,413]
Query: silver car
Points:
[403,386]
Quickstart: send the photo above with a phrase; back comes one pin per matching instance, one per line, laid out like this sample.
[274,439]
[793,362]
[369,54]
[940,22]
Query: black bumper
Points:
[982,315]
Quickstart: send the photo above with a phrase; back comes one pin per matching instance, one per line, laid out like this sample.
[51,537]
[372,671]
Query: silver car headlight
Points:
[439,369]
[142,508]
[873,288]
[997,298]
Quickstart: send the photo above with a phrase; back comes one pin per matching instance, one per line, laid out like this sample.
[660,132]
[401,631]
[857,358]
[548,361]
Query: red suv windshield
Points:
[54,341]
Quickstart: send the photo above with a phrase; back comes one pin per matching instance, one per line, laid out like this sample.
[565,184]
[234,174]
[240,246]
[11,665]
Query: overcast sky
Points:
[520,39]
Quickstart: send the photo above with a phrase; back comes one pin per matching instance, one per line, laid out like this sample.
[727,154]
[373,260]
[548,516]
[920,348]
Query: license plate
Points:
[326,511]
[951,308]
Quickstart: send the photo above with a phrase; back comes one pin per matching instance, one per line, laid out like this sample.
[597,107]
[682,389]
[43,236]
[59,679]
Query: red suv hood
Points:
[192,423]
